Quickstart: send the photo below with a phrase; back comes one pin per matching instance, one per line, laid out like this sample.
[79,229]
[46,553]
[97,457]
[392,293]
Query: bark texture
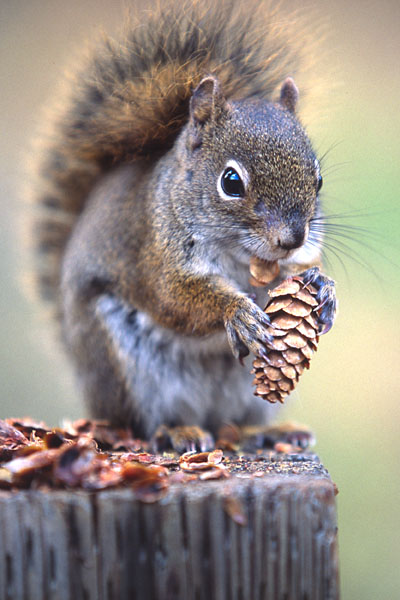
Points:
[270,536]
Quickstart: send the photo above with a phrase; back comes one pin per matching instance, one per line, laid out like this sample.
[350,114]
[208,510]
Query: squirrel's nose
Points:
[289,239]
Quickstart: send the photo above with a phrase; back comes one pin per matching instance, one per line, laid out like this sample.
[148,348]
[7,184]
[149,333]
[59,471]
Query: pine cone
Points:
[293,311]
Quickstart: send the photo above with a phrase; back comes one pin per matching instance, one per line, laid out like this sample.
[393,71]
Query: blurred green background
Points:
[351,395]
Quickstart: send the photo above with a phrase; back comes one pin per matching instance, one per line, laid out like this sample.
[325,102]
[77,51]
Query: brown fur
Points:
[130,99]
[145,244]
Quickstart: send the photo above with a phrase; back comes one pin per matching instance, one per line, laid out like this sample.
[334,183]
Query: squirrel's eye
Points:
[231,183]
[320,182]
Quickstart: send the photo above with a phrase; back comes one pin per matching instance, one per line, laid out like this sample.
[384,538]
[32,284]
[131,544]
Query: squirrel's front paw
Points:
[326,296]
[245,325]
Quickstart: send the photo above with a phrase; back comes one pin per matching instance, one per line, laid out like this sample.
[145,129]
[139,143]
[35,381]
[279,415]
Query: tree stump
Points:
[264,536]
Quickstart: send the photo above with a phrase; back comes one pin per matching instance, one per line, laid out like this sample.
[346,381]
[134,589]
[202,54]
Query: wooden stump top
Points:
[266,531]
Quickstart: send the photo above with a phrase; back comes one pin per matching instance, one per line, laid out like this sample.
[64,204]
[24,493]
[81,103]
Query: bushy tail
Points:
[130,99]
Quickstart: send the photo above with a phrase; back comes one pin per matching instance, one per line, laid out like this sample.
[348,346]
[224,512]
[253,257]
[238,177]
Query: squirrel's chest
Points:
[234,269]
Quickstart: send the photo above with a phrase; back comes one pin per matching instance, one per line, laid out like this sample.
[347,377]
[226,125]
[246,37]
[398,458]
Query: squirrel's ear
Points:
[207,101]
[289,95]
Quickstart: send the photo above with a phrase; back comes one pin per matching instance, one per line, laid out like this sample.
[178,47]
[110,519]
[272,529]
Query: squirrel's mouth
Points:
[308,253]
[280,243]
[266,253]
[271,248]
[283,243]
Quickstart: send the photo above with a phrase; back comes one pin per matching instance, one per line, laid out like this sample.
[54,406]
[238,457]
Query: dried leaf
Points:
[75,463]
[194,457]
[234,508]
[11,436]
[25,465]
[217,472]
[215,457]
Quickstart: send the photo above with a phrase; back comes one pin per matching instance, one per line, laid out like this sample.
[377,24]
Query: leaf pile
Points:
[92,455]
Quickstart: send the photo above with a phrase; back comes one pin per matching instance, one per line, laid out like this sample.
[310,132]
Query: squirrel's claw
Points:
[322,329]
[234,341]
[326,297]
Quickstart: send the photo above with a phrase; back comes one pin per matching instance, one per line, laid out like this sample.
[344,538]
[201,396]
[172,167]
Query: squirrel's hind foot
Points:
[257,437]
[182,439]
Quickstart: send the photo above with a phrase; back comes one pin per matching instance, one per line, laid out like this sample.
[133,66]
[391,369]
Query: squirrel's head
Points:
[252,171]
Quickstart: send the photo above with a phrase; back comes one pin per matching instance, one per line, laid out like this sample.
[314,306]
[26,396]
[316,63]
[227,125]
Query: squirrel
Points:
[172,162]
